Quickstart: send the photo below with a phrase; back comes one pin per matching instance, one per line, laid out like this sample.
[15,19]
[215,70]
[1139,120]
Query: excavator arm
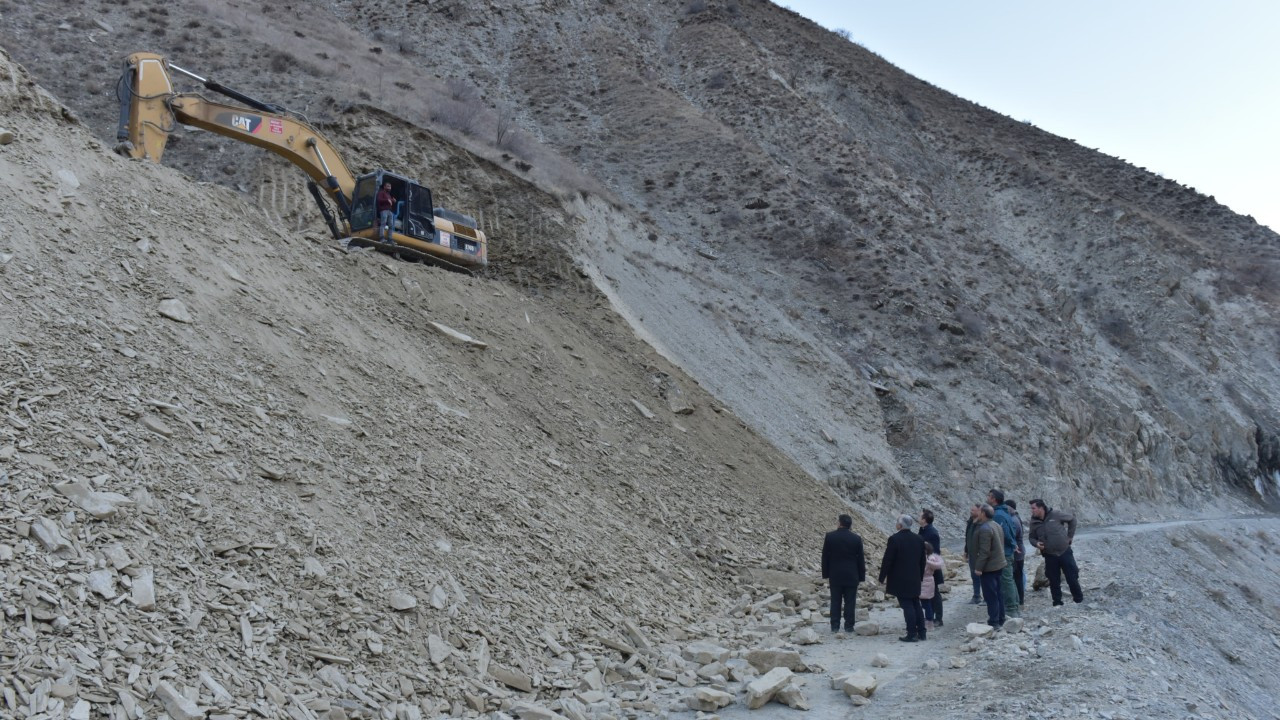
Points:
[150,110]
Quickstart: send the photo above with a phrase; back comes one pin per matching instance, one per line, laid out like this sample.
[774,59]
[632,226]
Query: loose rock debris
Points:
[258,500]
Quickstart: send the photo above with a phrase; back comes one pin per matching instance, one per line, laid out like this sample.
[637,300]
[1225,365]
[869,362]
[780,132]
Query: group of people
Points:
[912,567]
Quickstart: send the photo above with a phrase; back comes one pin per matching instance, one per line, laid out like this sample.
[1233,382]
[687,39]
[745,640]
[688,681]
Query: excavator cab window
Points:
[418,220]
[363,202]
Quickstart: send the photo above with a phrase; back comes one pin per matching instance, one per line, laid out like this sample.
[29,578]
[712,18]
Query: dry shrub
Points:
[718,80]
[1055,360]
[516,143]
[1117,328]
[281,61]
[1256,276]
[974,324]
[461,90]
[457,114]
[504,130]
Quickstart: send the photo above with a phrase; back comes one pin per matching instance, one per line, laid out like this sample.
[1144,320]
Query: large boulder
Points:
[175,310]
[533,711]
[101,505]
[764,660]
[144,590]
[177,705]
[711,670]
[704,652]
[511,678]
[707,699]
[805,636]
[858,682]
[762,689]
[979,630]
[792,697]
[866,627]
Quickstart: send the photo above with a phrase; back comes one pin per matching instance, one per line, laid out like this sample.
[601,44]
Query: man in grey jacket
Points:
[1052,531]
[988,562]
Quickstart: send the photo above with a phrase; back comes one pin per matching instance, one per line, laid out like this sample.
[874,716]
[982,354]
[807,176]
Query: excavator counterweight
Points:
[150,110]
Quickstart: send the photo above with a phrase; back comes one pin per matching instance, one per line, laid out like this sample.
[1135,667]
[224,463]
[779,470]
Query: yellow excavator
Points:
[414,228]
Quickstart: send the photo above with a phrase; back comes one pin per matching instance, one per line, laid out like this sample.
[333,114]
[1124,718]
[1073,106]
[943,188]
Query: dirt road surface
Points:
[1134,649]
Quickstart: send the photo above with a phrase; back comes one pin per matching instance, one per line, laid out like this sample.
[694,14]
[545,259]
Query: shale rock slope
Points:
[242,474]
[240,469]
[833,248]
[954,297]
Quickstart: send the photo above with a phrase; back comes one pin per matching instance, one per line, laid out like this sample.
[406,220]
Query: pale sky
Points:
[1188,89]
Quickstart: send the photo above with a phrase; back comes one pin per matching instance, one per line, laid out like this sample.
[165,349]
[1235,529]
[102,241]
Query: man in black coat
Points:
[901,571]
[843,565]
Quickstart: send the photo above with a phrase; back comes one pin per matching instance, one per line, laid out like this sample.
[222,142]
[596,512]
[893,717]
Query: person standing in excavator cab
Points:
[386,212]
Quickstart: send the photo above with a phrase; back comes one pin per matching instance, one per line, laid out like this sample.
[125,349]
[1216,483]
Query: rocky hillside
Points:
[243,471]
[246,473]
[913,297]
[957,299]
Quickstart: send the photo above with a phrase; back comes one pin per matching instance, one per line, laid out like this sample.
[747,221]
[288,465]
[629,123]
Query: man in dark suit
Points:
[843,565]
[901,571]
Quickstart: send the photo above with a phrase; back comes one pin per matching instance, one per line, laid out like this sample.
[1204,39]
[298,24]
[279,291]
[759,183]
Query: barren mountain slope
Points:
[331,501]
[1041,316]
[954,298]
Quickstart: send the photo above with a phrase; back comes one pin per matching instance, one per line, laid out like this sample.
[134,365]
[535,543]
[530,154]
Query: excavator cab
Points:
[413,209]
[453,236]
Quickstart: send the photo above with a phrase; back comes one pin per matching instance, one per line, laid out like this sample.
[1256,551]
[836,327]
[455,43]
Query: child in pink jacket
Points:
[932,563]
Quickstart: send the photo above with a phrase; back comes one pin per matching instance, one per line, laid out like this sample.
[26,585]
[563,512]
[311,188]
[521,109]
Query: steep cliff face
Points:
[838,250]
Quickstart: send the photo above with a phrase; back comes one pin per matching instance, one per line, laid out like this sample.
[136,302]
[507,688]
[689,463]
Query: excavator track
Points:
[405,253]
